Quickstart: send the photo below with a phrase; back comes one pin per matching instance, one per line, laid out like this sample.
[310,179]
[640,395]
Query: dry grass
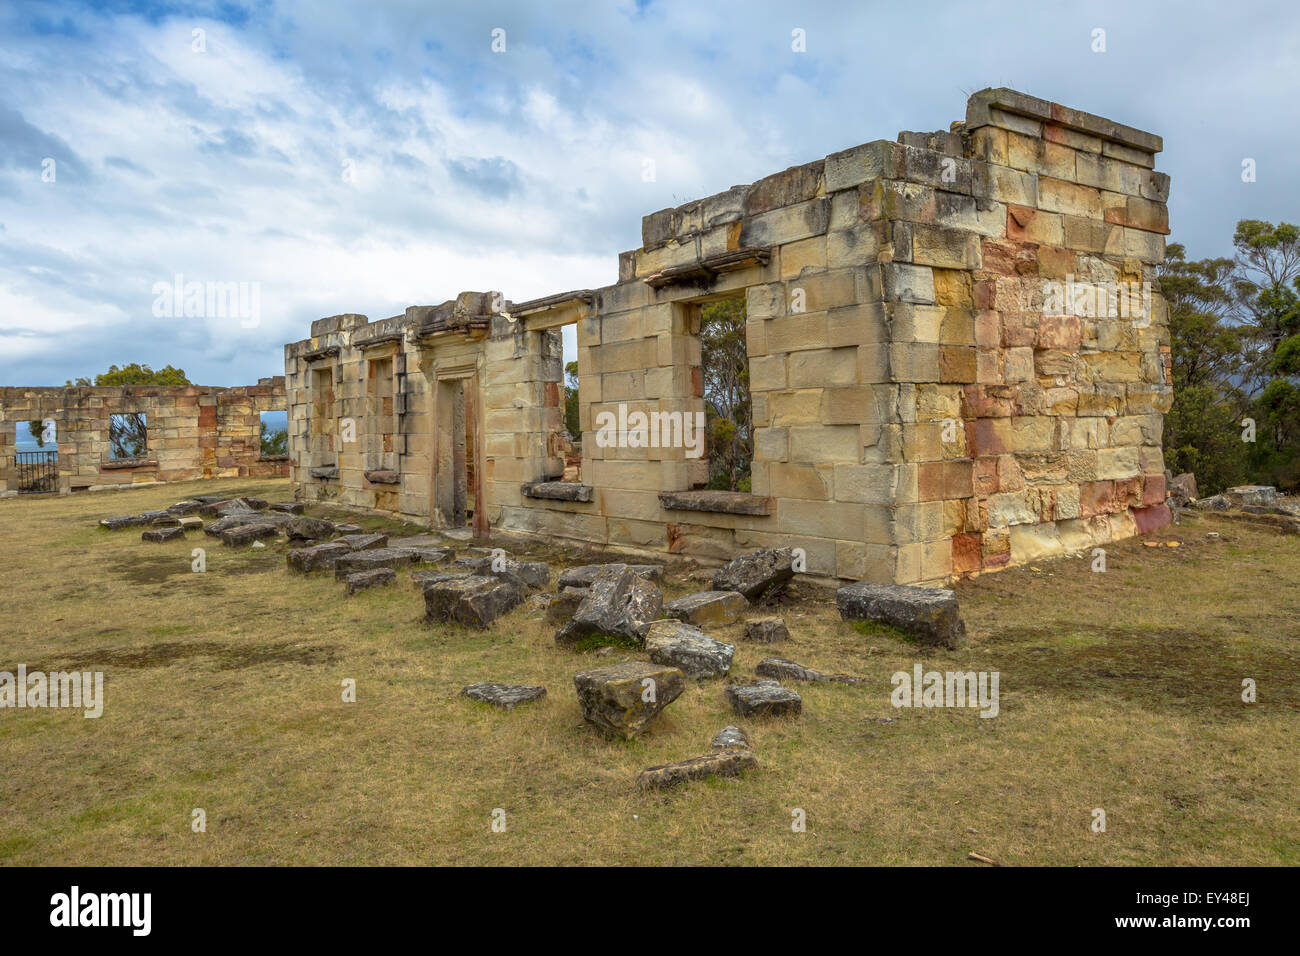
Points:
[1119,690]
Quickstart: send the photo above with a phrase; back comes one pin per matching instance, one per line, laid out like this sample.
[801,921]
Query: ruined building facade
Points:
[185,432]
[946,372]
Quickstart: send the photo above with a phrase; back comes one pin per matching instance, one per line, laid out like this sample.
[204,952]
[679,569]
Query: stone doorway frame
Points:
[455,440]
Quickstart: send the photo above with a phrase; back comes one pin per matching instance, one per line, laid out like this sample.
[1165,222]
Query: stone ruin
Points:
[191,431]
[958,361]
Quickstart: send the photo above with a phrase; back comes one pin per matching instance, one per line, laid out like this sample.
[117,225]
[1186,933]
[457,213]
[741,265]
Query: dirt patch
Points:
[225,656]
[1157,669]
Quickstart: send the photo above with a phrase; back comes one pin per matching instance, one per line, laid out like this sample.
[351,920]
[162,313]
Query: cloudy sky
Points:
[365,156]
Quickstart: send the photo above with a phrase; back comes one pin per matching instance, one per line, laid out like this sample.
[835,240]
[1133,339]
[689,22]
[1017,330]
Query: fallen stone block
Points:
[362,580]
[421,578]
[247,533]
[228,506]
[765,698]
[428,555]
[707,608]
[209,499]
[622,699]
[620,603]
[163,534]
[288,507]
[303,528]
[192,523]
[319,557]
[474,600]
[362,542]
[722,763]
[730,736]
[766,630]
[535,574]
[1251,495]
[929,614]
[757,574]
[505,696]
[348,528]
[565,604]
[582,577]
[780,669]
[394,558]
[689,649]
[257,504]
[1213,503]
[183,508]
[165,521]
[121,521]
[221,525]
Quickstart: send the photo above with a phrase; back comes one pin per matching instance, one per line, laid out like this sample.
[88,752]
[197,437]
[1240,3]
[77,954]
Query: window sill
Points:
[117,463]
[558,490]
[724,502]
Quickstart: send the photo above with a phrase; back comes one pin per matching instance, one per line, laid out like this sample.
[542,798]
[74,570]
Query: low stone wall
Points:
[193,431]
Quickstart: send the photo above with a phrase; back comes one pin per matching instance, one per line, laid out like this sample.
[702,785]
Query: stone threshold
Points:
[128,463]
[724,502]
[557,490]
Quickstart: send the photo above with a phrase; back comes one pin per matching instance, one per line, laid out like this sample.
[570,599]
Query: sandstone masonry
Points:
[193,431]
[958,361]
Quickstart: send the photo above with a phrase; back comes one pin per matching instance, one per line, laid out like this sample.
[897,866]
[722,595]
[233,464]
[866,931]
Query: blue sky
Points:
[362,157]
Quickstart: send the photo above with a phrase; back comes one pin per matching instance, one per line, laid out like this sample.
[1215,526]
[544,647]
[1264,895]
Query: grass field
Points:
[1119,690]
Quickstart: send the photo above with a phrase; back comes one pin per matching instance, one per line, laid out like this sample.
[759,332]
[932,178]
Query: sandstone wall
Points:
[931,395]
[193,431]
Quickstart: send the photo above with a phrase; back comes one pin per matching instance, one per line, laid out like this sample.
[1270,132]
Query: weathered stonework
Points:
[941,382]
[194,431]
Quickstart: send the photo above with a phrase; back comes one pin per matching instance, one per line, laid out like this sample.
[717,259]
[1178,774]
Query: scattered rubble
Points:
[620,602]
[778,668]
[764,698]
[730,736]
[707,608]
[766,630]
[622,699]
[582,577]
[505,696]
[689,649]
[727,763]
[929,614]
[362,580]
[319,557]
[757,574]
[473,600]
